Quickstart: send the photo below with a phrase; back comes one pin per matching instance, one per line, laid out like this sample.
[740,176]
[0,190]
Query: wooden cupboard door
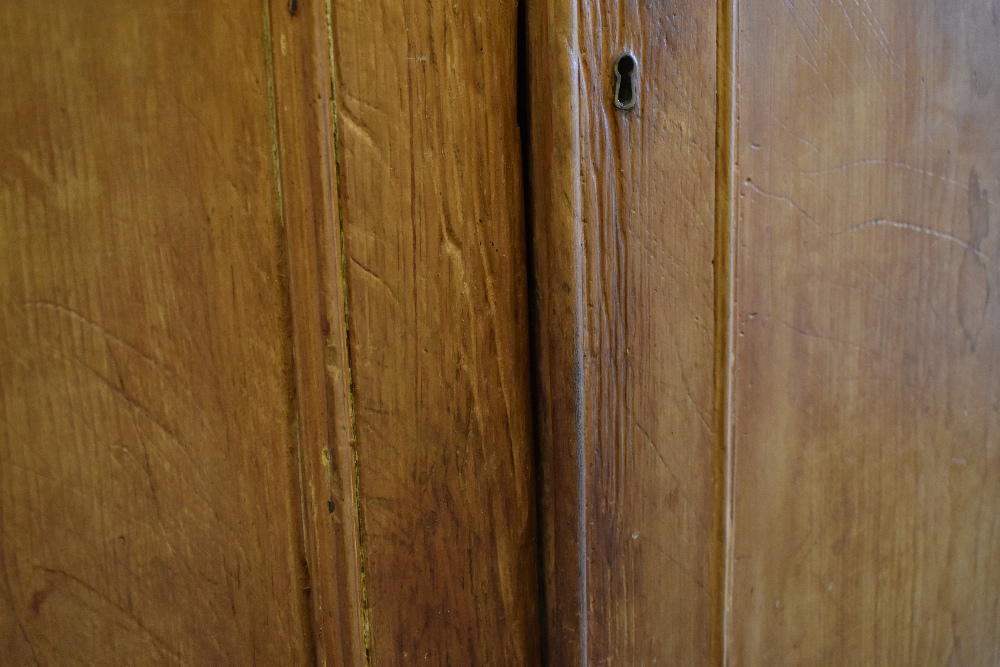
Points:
[148,484]
[431,221]
[787,395]
[263,336]
[626,342]
[866,384]
[264,333]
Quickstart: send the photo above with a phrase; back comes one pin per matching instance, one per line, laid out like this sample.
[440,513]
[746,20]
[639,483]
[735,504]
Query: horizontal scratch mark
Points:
[884,162]
[906,226]
[823,337]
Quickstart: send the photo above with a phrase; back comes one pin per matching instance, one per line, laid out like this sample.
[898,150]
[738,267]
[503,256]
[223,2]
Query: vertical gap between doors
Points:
[523,96]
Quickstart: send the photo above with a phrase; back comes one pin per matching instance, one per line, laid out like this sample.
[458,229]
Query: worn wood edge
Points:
[726,205]
[557,247]
[294,456]
[348,454]
[302,88]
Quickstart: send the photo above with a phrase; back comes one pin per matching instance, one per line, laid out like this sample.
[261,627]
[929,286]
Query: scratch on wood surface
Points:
[350,121]
[880,35]
[9,598]
[670,471]
[687,388]
[895,164]
[673,559]
[79,316]
[910,227]
[782,198]
[378,280]
[136,405]
[95,594]
[819,336]
[493,324]
[794,12]
[800,331]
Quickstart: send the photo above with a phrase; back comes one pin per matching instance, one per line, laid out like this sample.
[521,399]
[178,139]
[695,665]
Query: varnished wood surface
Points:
[304,113]
[148,485]
[264,365]
[624,240]
[867,369]
[200,208]
[431,211]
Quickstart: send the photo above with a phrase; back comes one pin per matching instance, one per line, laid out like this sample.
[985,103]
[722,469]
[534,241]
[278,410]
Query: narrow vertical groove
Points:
[349,369]
[295,463]
[527,190]
[725,299]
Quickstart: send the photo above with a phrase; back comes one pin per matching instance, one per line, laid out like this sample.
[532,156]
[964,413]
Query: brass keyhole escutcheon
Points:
[626,88]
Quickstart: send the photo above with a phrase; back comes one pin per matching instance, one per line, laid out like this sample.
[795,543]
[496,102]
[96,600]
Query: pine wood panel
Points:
[431,211]
[624,237]
[148,490]
[866,393]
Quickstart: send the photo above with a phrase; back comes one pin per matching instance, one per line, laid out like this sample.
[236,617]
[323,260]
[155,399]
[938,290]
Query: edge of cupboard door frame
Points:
[726,208]
[552,54]
[304,116]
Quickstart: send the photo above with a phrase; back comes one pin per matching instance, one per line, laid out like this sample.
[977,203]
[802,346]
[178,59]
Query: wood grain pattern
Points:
[301,57]
[867,401]
[624,241]
[434,263]
[148,490]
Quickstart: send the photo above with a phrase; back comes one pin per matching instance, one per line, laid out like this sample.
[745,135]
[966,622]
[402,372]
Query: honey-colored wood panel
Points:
[624,236]
[301,55]
[431,210]
[148,491]
[867,374]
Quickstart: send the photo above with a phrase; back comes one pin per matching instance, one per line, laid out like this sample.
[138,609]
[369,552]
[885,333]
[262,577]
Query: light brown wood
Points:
[431,210]
[866,392]
[264,337]
[301,56]
[624,237]
[191,234]
[148,484]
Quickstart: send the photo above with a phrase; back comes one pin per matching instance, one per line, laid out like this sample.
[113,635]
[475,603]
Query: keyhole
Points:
[625,88]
